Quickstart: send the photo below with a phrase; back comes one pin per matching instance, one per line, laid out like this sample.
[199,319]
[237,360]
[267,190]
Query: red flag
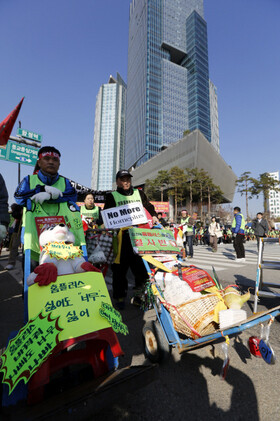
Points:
[6,126]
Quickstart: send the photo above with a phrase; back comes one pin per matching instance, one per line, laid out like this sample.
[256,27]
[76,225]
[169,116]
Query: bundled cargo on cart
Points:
[191,307]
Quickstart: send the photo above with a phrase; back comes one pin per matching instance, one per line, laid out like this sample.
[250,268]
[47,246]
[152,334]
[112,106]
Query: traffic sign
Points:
[20,153]
[29,135]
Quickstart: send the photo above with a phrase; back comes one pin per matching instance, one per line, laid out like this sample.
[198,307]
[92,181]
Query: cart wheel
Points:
[157,349]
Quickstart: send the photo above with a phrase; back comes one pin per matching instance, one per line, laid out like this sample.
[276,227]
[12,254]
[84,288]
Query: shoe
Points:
[136,301]
[10,267]
[120,304]
[240,259]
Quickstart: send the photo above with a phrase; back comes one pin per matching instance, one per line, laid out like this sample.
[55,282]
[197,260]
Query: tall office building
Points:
[109,133]
[214,117]
[167,78]
[274,198]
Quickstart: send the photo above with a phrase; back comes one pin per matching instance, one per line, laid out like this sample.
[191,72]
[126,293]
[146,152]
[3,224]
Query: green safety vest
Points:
[121,199]
[90,213]
[70,214]
[243,223]
[185,221]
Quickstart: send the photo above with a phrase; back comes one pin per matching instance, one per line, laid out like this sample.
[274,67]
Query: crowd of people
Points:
[47,186]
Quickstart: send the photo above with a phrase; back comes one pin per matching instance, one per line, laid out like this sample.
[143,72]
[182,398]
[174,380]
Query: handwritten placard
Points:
[76,298]
[124,216]
[29,349]
[61,250]
[114,317]
[153,241]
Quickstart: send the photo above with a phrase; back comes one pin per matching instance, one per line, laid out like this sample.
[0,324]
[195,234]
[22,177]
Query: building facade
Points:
[109,133]
[192,151]
[214,117]
[274,198]
[168,76]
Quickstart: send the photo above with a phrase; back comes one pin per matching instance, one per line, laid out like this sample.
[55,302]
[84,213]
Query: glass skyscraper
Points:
[214,118]
[109,133]
[167,78]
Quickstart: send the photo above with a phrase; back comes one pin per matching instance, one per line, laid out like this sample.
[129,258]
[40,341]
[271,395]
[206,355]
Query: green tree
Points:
[244,183]
[262,185]
[151,189]
[177,183]
[192,176]
[155,188]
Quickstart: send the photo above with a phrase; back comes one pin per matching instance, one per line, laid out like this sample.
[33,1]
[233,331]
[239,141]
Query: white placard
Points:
[124,216]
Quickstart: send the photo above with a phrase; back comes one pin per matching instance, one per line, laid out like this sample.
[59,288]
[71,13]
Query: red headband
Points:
[49,154]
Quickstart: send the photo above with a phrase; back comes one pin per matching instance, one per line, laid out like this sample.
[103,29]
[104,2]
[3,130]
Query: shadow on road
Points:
[182,392]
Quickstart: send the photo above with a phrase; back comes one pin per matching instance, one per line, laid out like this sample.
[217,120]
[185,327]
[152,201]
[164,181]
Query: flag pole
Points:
[19,126]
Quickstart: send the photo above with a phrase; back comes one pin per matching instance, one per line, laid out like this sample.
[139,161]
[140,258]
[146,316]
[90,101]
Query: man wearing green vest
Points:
[47,184]
[90,213]
[48,191]
[188,230]
[238,232]
[124,194]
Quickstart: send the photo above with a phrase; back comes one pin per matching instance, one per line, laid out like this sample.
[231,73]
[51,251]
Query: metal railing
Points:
[265,264]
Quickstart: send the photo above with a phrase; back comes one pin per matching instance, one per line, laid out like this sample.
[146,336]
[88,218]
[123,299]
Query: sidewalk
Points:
[11,303]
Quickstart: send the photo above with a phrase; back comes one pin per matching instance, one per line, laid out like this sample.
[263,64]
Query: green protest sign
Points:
[76,298]
[153,241]
[29,349]
[114,318]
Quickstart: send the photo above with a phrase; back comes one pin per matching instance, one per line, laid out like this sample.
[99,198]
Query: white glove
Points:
[54,192]
[41,197]
[3,232]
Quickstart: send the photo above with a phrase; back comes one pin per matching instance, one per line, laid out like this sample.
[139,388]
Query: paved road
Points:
[189,384]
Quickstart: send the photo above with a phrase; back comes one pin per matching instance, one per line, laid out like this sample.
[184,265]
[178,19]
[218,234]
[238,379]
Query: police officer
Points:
[238,233]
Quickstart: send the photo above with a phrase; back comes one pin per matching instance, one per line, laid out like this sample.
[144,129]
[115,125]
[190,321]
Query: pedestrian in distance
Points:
[260,227]
[162,221]
[16,212]
[238,233]
[4,214]
[188,222]
[214,231]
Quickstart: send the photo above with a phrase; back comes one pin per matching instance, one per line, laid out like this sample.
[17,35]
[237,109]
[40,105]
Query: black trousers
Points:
[128,260]
[239,246]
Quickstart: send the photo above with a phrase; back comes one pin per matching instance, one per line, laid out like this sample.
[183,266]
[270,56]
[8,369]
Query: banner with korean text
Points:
[76,298]
[153,241]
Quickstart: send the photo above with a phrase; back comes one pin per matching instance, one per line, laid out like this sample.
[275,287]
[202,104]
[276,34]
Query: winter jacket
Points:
[4,214]
[24,191]
[260,227]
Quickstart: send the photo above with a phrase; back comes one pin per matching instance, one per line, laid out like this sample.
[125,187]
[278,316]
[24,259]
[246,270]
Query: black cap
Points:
[123,173]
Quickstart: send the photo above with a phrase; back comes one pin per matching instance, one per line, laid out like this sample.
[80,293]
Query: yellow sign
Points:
[62,250]
[76,298]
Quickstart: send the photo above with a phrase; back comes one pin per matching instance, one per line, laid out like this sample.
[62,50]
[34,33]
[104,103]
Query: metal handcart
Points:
[163,333]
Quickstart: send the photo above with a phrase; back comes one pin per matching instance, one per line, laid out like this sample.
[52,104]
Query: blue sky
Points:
[58,53]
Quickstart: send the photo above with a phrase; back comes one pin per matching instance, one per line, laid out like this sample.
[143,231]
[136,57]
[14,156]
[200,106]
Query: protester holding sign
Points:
[126,194]
[47,184]
[89,211]
[47,190]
